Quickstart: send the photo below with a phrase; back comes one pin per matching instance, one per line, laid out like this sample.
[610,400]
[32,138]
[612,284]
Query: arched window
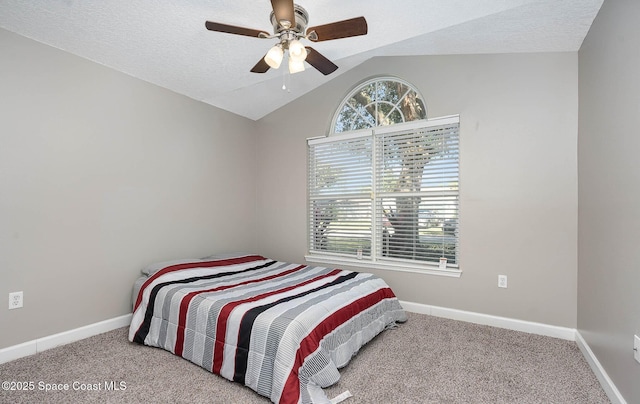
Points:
[383,186]
[379,102]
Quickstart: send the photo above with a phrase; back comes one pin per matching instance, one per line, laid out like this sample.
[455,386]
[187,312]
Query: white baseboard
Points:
[571,334]
[66,337]
[606,383]
[495,321]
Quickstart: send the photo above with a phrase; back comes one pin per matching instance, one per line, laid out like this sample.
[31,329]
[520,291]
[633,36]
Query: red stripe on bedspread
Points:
[196,264]
[184,304]
[291,390]
[221,328]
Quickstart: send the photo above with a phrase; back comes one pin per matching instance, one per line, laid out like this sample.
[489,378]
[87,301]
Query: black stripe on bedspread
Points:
[143,331]
[246,325]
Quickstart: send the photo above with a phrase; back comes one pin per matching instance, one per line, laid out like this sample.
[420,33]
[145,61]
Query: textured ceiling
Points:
[166,43]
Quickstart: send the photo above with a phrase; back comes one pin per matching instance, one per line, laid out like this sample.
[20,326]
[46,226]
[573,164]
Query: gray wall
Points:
[609,192]
[100,174]
[518,178]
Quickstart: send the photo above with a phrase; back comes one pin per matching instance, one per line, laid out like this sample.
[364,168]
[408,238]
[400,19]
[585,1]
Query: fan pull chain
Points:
[286,75]
[284,84]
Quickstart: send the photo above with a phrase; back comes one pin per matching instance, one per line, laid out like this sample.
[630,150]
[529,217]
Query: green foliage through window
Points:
[379,102]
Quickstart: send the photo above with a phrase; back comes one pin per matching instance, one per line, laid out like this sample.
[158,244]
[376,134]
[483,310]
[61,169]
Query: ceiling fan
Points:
[290,25]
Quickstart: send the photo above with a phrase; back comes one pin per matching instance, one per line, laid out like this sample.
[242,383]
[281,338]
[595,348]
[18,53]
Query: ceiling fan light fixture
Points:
[295,66]
[297,51]
[274,56]
[289,22]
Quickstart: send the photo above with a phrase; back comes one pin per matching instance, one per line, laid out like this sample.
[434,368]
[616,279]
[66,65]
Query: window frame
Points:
[375,260]
[363,85]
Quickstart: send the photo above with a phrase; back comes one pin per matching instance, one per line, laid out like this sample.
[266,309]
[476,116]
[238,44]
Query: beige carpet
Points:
[426,360]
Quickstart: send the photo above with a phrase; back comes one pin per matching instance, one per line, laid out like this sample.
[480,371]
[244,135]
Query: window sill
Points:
[389,266]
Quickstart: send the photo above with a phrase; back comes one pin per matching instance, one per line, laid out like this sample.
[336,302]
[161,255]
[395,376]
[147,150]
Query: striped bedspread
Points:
[281,329]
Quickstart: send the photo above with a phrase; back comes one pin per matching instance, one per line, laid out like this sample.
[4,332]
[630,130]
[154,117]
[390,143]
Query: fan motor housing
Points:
[302,19]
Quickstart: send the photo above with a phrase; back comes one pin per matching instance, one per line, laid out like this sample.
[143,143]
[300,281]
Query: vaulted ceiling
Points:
[166,43]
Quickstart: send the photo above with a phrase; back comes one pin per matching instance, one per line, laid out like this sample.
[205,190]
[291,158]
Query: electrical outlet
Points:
[502,281]
[15,300]
[636,348]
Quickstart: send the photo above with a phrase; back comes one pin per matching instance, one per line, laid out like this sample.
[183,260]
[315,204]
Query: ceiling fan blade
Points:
[321,63]
[260,67]
[340,29]
[232,29]
[283,10]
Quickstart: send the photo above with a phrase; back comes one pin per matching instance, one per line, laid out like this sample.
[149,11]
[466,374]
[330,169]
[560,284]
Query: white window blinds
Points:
[387,195]
[417,193]
[340,187]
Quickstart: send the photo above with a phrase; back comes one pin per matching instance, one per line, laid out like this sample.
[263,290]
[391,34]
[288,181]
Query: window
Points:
[379,102]
[384,191]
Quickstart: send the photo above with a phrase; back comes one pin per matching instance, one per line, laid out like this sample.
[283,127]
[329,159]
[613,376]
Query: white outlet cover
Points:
[15,300]
[502,281]
[636,348]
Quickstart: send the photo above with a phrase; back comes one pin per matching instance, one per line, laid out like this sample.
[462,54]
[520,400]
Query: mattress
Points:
[282,329]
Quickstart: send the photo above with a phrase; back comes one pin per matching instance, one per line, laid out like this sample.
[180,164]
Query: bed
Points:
[280,328]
